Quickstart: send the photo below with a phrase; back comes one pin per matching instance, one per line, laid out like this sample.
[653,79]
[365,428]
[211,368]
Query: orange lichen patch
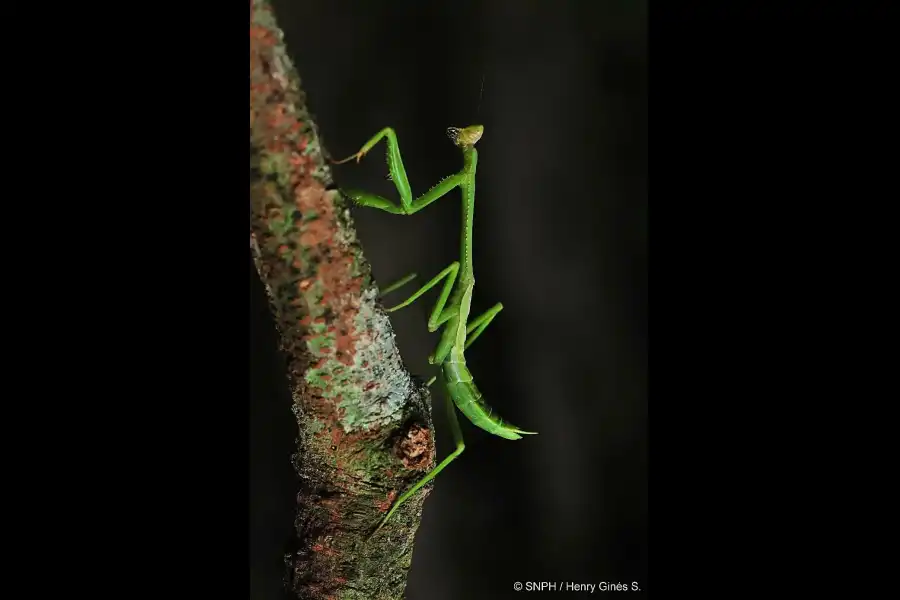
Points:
[340,284]
[308,201]
[345,347]
[415,448]
[326,550]
[336,435]
[296,159]
[308,239]
[325,411]
[386,504]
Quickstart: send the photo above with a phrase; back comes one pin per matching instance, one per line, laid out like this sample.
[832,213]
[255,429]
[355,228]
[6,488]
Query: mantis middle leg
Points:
[397,284]
[480,323]
[439,316]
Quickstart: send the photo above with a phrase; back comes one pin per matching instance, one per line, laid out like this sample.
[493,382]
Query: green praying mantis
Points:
[452,308]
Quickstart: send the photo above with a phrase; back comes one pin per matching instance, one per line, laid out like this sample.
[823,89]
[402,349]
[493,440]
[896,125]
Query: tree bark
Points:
[365,431]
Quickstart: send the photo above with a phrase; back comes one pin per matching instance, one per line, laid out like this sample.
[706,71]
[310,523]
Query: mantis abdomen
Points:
[470,402]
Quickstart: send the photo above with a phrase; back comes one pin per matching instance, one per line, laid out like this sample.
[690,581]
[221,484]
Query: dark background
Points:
[560,239]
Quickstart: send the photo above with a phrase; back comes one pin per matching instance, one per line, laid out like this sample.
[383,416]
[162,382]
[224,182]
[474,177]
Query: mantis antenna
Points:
[480,94]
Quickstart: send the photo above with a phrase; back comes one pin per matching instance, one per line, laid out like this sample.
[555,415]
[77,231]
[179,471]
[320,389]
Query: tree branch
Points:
[365,432]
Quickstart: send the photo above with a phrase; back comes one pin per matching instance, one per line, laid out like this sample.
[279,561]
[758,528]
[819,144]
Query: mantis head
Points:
[467,137]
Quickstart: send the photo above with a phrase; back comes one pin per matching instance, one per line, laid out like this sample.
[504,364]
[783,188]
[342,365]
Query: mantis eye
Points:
[453,134]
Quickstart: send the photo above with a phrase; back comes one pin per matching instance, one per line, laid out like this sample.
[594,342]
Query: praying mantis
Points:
[452,308]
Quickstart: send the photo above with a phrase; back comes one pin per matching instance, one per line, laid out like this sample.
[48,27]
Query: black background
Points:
[560,239]
[763,178]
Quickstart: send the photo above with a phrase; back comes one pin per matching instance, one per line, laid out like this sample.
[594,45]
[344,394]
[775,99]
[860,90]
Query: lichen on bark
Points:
[364,424]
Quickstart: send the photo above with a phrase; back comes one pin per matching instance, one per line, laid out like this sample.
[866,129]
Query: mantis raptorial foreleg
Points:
[407,206]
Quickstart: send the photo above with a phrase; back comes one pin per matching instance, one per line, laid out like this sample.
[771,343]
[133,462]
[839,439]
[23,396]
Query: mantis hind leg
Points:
[460,446]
